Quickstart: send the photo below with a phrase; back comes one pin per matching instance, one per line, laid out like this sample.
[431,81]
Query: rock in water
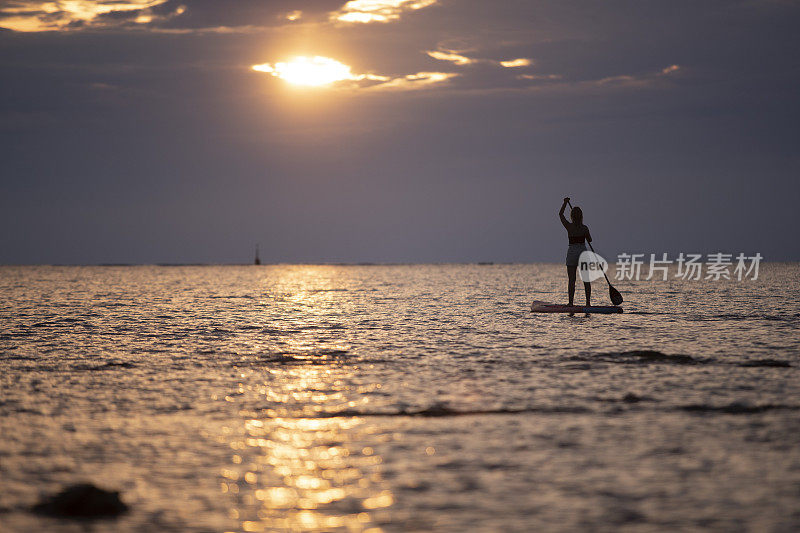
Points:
[83,500]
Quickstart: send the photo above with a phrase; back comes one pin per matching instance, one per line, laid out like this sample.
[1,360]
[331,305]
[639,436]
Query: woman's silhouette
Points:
[578,234]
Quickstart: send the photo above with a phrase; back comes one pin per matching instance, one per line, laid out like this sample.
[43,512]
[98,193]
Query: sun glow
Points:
[319,71]
[315,71]
[310,71]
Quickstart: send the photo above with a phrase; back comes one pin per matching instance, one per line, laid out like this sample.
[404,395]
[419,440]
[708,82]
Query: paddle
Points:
[616,297]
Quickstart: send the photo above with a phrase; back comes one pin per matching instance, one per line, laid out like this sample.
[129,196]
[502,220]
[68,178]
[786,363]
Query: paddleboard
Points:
[545,307]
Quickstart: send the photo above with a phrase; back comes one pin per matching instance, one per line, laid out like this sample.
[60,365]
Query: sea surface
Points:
[399,398]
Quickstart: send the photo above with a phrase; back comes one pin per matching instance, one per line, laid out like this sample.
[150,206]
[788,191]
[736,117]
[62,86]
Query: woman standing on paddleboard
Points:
[578,235]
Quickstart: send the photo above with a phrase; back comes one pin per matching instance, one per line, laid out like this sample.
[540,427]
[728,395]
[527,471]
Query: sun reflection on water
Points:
[293,466]
[302,473]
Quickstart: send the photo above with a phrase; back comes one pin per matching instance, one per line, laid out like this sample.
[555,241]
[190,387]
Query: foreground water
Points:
[398,398]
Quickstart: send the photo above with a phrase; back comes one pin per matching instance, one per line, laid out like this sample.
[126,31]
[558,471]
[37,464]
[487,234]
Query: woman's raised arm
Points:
[564,220]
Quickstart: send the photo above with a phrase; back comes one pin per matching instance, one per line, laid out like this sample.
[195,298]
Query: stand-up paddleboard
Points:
[545,307]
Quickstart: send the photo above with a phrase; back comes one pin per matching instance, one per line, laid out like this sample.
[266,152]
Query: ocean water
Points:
[399,398]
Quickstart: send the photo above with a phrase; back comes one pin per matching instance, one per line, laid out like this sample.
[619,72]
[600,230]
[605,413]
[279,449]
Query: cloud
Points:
[294,15]
[479,76]
[412,82]
[99,86]
[548,77]
[513,63]
[634,80]
[450,56]
[366,11]
[561,84]
[458,58]
[499,58]
[38,16]
[161,16]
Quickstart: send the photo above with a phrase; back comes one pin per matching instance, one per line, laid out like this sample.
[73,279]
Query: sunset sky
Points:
[156,131]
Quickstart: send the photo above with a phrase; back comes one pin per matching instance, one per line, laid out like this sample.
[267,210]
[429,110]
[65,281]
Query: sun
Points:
[309,71]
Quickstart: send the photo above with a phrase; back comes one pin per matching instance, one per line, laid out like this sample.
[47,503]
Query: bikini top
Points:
[578,235]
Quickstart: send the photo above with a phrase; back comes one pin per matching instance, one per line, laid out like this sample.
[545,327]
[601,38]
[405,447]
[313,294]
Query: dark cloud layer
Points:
[674,124]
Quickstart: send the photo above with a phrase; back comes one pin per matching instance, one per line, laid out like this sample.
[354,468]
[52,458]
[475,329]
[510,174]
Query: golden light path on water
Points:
[295,473]
[292,468]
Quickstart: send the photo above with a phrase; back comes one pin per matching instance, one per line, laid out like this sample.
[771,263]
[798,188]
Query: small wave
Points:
[315,357]
[314,291]
[276,331]
[17,334]
[105,366]
[119,364]
[766,363]
[642,357]
[323,326]
[737,408]
[438,411]
[173,409]
[627,398]
[16,357]
[63,323]
[742,316]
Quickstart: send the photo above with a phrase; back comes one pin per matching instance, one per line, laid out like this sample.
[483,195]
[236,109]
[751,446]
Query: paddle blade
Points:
[616,297]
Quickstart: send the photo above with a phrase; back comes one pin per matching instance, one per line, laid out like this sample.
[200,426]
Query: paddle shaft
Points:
[595,253]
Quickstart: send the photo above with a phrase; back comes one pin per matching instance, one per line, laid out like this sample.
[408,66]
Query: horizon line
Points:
[323,263]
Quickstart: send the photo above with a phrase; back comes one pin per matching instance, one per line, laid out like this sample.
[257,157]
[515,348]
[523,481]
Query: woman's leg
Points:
[587,287]
[571,274]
